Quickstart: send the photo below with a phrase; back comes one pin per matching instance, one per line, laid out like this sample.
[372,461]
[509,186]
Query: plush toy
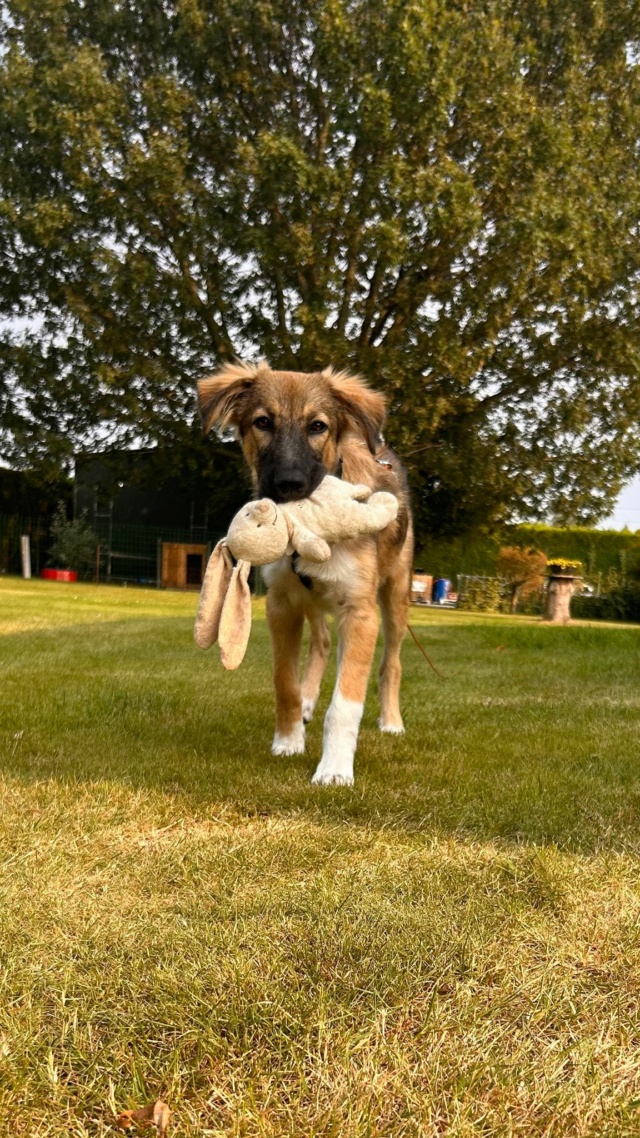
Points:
[261,533]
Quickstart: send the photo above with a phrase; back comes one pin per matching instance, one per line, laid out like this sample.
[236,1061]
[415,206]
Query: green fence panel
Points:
[124,553]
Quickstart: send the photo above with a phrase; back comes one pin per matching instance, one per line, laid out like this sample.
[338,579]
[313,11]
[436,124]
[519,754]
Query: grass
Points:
[452,947]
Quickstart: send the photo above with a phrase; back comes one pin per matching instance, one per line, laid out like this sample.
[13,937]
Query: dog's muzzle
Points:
[289,470]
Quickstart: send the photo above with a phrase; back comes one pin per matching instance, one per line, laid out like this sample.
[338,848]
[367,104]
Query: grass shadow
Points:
[531,738]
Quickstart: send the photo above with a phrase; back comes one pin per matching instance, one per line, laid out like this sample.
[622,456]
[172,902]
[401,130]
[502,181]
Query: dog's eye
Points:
[317,427]
[263,423]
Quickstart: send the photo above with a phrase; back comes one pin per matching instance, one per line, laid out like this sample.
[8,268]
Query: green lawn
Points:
[452,947]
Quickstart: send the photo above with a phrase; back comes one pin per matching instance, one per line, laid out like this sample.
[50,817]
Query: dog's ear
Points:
[361,409]
[220,396]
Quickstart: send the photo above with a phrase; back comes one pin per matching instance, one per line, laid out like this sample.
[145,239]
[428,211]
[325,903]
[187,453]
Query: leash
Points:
[429,662]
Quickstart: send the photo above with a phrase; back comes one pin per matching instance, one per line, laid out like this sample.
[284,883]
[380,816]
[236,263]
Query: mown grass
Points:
[450,947]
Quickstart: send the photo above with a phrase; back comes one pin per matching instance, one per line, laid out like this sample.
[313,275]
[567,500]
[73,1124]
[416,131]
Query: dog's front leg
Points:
[285,621]
[319,648]
[357,635]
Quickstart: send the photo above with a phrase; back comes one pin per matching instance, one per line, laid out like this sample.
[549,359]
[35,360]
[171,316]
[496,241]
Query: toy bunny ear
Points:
[212,596]
[235,619]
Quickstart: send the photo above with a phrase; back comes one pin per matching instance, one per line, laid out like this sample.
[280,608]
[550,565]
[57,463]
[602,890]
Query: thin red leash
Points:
[429,662]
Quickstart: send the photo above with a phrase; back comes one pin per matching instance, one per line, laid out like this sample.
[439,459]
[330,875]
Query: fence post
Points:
[25,553]
[159,563]
[98,552]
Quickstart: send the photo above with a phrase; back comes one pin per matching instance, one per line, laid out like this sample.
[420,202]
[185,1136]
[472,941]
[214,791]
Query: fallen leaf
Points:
[500,648]
[154,1114]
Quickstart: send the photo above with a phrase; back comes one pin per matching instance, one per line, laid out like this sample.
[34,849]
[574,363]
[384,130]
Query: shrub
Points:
[522,571]
[533,604]
[621,603]
[480,594]
[74,542]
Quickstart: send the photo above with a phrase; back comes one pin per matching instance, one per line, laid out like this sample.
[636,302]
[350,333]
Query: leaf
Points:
[154,1114]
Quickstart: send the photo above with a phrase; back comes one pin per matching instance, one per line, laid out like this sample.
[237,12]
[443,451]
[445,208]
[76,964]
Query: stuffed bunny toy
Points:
[261,533]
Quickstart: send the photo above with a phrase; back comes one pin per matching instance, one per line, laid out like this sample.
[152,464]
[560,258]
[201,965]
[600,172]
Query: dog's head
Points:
[290,423]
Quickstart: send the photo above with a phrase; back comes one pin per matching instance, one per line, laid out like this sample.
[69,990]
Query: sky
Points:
[626,511]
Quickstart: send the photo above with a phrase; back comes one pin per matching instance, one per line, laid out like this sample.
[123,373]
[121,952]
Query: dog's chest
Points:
[333,582]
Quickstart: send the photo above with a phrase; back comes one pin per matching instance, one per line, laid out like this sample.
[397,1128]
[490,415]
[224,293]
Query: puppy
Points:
[295,427]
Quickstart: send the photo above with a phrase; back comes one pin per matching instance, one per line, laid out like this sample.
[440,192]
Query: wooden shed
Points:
[421,587]
[183,565]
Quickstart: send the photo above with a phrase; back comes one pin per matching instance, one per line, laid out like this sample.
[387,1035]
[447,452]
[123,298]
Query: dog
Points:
[294,428]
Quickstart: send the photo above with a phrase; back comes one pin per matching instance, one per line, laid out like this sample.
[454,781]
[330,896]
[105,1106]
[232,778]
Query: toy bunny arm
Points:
[306,543]
[333,491]
[381,509]
[358,492]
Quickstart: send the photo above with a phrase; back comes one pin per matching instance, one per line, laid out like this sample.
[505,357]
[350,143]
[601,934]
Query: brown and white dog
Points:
[295,427]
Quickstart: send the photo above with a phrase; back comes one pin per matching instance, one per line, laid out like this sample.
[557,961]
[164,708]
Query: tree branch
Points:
[371,301]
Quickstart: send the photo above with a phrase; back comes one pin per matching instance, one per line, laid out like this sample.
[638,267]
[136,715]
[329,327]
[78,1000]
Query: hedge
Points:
[604,553]
[619,604]
[492,594]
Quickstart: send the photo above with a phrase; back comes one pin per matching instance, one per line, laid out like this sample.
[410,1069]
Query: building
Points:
[156,512]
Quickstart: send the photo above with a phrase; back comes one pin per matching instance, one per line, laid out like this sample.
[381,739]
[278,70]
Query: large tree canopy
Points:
[442,194]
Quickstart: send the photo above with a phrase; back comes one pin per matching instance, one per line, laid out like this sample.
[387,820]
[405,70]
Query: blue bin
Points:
[440,590]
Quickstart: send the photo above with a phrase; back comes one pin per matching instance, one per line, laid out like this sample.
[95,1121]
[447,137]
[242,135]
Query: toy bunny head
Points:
[258,533]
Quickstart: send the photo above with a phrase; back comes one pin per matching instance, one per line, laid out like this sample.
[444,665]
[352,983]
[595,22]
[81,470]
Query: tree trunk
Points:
[559,593]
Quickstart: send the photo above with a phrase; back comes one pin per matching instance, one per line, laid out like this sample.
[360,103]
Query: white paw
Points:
[391,728]
[308,708]
[325,776]
[340,737]
[292,744]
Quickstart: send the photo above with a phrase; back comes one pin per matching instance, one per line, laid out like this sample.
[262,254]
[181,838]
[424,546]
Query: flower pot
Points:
[68,575]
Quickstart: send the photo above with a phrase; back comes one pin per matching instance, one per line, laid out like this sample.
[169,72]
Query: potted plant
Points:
[72,549]
[561,567]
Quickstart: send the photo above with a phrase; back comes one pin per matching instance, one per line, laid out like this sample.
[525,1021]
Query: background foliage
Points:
[73,542]
[621,603]
[522,570]
[600,551]
[441,194]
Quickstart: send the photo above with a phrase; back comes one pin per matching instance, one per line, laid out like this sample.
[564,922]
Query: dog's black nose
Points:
[290,485]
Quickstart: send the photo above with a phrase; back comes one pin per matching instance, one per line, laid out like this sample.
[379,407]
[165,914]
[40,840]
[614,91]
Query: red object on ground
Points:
[68,575]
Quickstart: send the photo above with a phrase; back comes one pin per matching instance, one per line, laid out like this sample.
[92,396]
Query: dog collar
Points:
[302,577]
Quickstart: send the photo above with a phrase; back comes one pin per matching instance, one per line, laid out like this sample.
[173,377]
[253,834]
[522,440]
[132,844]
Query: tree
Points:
[523,570]
[441,194]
